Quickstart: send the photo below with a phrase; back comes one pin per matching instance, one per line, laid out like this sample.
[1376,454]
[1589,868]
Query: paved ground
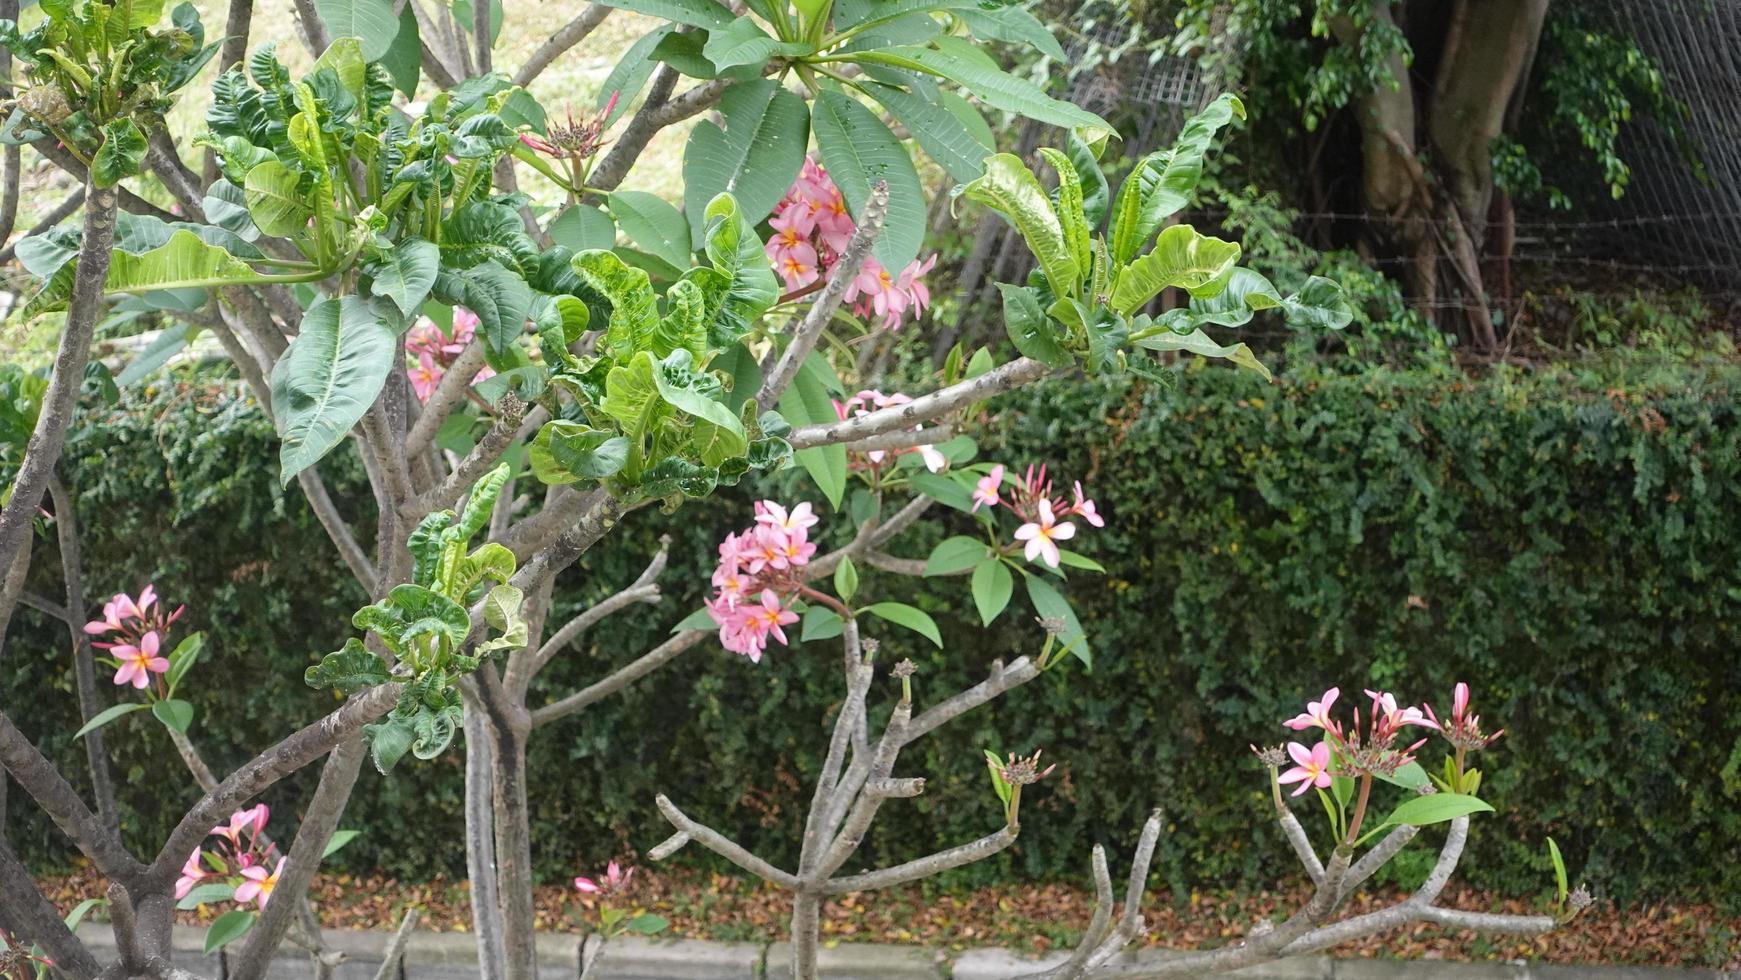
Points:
[451,956]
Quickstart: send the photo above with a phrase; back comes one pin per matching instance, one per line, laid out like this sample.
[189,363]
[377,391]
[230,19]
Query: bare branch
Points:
[1376,858]
[66,524]
[647,663]
[11,169]
[319,501]
[396,949]
[903,439]
[644,589]
[42,452]
[1002,679]
[716,842]
[483,38]
[482,457]
[566,36]
[1016,373]
[925,867]
[1302,845]
[43,605]
[36,919]
[314,33]
[449,393]
[38,776]
[126,199]
[822,309]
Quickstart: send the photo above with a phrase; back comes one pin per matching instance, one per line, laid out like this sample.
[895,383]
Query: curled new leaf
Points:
[348,670]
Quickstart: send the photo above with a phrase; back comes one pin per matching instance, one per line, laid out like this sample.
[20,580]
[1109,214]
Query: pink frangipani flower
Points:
[1317,714]
[259,884]
[615,879]
[1042,536]
[1312,767]
[138,663]
[191,873]
[1085,507]
[985,491]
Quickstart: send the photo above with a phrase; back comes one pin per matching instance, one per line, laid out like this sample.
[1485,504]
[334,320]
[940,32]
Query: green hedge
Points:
[1564,543]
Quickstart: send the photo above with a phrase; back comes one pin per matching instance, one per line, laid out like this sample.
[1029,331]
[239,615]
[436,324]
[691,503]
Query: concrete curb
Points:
[452,956]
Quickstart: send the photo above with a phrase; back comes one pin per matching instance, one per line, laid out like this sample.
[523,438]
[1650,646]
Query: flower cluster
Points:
[1463,730]
[760,572]
[1042,514]
[1375,752]
[242,860]
[870,400]
[615,879]
[140,628]
[812,227]
[433,351]
[577,140]
[18,961]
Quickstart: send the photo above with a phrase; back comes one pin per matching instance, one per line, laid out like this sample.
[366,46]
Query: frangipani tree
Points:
[518,376]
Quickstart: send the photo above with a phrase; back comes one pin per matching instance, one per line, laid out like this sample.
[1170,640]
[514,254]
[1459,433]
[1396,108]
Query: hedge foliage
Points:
[1566,543]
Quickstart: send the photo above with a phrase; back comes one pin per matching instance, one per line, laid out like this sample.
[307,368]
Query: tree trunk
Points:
[514,844]
[1486,58]
[480,841]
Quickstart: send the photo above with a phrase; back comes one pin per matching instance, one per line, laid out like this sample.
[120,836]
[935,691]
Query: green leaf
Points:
[1245,293]
[328,378]
[581,227]
[754,158]
[1183,168]
[170,342]
[228,928]
[692,392]
[648,924]
[499,297]
[348,670]
[119,157]
[184,261]
[1011,189]
[77,915]
[109,714]
[999,785]
[652,223]
[1051,604]
[209,894]
[174,713]
[590,454]
[1560,884]
[992,585]
[406,274]
[954,59]
[705,14]
[389,741]
[1069,208]
[344,57]
[502,613]
[939,131]
[1411,777]
[1182,257]
[741,266]
[1320,304]
[1030,329]
[846,579]
[275,200]
[697,620]
[859,151]
[743,42]
[1095,192]
[631,72]
[337,841]
[807,402]
[424,612]
[632,398]
[943,488]
[404,57]
[370,21]
[956,554]
[1014,25]
[182,658]
[912,618]
[480,500]
[634,307]
[819,623]
[1199,343]
[1419,811]
[1075,560]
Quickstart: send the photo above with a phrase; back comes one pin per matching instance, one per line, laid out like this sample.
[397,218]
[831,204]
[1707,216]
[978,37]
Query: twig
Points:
[319,501]
[482,457]
[719,844]
[66,524]
[396,948]
[925,867]
[449,392]
[1014,374]
[566,36]
[647,663]
[644,589]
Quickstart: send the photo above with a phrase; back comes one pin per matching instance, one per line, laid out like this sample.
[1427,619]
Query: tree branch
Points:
[482,457]
[716,842]
[42,452]
[60,212]
[319,501]
[647,663]
[396,949]
[566,36]
[39,777]
[449,392]
[645,589]
[1015,374]
[66,524]
[925,867]
[37,921]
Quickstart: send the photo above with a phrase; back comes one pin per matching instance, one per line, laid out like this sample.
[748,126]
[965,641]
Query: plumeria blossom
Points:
[870,400]
[760,573]
[986,490]
[1042,535]
[576,141]
[138,663]
[615,879]
[811,228]
[1317,713]
[18,959]
[431,351]
[136,631]
[1373,752]
[1311,767]
[241,857]
[1462,729]
[259,884]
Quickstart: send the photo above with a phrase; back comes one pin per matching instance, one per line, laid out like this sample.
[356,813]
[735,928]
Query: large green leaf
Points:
[228,928]
[1012,190]
[1067,199]
[183,261]
[911,617]
[328,378]
[1245,293]
[992,584]
[404,57]
[632,398]
[119,157]
[743,42]
[370,21]
[743,286]
[1182,257]
[631,73]
[706,14]
[1420,811]
[1012,24]
[955,554]
[1183,167]
[344,56]
[634,307]
[479,501]
[500,298]
[407,273]
[684,325]
[954,59]
[1051,604]
[859,151]
[1200,343]
[807,402]
[1321,303]
[754,158]
[275,202]
[583,226]
[411,611]
[348,670]
[652,223]
[939,131]
[109,714]
[694,392]
[1030,329]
